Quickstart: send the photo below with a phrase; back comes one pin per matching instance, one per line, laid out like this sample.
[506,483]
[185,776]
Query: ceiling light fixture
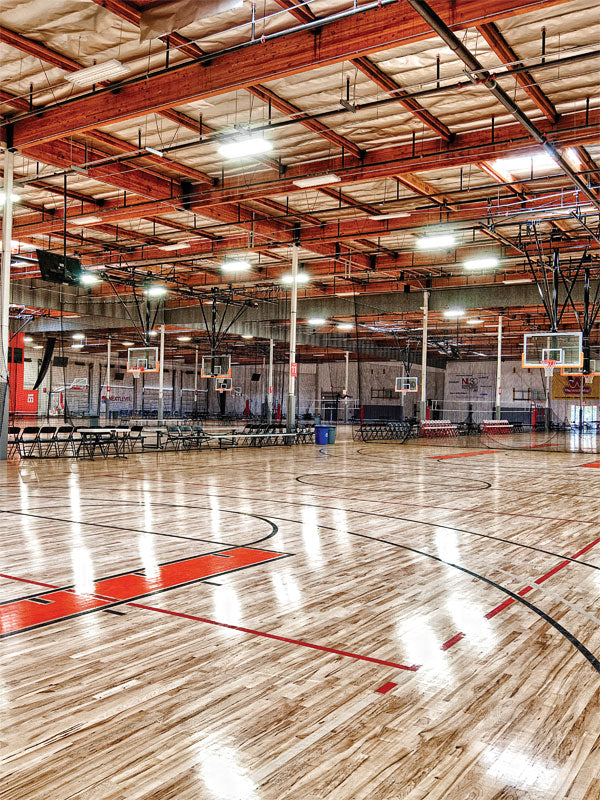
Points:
[85,220]
[107,71]
[317,180]
[244,146]
[154,151]
[518,280]
[316,321]
[474,321]
[79,336]
[127,344]
[38,346]
[88,279]
[301,277]
[184,338]
[345,326]
[28,339]
[76,346]
[453,313]
[436,241]
[391,215]
[152,333]
[521,164]
[235,266]
[14,197]
[175,246]
[488,262]
[247,336]
[156,290]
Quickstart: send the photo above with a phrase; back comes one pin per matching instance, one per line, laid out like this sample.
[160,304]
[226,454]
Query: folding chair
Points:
[14,441]
[47,441]
[30,438]
[66,439]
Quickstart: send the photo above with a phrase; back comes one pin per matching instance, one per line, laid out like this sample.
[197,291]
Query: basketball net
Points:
[549,367]
[136,373]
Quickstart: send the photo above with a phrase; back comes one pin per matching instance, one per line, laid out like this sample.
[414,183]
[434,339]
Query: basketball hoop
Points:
[589,379]
[549,365]
[136,372]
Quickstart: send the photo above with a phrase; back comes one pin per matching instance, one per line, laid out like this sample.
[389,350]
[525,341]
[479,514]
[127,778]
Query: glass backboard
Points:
[563,347]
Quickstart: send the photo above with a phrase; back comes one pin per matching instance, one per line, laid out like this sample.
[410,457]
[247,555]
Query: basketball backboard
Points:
[142,359]
[216,366]
[223,385]
[407,384]
[564,348]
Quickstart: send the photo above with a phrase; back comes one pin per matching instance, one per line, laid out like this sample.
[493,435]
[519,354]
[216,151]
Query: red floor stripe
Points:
[386,687]
[456,638]
[414,668]
[594,464]
[286,639]
[464,455]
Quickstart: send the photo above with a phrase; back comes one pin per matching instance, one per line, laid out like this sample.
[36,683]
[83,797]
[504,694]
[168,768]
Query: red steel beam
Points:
[300,51]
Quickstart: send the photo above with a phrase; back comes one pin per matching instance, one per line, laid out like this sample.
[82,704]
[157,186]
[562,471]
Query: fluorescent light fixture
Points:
[127,344]
[247,336]
[107,71]
[38,346]
[152,333]
[316,321]
[571,156]
[235,266]
[518,280]
[453,313]
[344,294]
[76,346]
[316,180]
[345,326]
[391,215]
[85,220]
[156,290]
[301,277]
[244,146]
[523,164]
[175,246]
[79,336]
[28,339]
[474,321]
[489,262]
[436,241]
[88,279]
[14,197]
[184,338]
[154,151]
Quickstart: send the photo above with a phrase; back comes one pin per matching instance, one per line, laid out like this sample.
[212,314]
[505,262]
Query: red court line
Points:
[595,464]
[386,687]
[90,603]
[299,642]
[464,455]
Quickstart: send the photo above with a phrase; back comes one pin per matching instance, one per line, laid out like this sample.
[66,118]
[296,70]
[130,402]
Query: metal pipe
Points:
[161,377]
[477,73]
[424,356]
[196,382]
[7,221]
[291,404]
[107,404]
[499,370]
[270,383]
[347,357]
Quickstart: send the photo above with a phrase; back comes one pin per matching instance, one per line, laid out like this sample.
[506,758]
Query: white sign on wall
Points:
[470,386]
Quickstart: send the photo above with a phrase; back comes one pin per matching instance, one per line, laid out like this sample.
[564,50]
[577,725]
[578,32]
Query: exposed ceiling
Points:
[368,95]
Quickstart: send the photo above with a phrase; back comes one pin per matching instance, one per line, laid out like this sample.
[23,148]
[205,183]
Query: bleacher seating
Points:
[438,428]
[496,426]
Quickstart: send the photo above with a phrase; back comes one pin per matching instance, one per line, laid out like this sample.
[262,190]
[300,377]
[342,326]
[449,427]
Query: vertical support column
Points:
[7,221]
[270,383]
[499,370]
[107,404]
[424,357]
[161,377]
[291,403]
[347,357]
[196,383]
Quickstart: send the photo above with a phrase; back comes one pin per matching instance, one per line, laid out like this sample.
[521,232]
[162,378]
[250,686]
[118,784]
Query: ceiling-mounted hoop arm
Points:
[569,289]
[143,323]
[537,283]
[112,286]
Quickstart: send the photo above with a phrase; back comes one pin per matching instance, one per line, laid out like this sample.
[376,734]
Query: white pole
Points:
[107,405]
[161,376]
[424,356]
[499,370]
[270,382]
[196,383]
[347,357]
[291,405]
[5,297]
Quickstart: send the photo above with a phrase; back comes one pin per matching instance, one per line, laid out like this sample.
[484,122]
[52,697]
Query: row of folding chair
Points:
[186,437]
[56,441]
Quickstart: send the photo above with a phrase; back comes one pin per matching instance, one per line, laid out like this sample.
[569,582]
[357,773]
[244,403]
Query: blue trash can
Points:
[331,437]
[321,434]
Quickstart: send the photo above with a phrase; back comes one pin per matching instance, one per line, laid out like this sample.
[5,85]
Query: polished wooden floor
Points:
[390,626]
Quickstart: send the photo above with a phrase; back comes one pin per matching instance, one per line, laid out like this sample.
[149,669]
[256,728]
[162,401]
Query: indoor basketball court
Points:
[299,400]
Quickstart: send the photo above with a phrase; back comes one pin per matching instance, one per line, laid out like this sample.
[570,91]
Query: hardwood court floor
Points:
[459,597]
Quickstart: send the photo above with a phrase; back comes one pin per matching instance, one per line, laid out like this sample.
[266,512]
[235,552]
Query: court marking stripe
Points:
[464,455]
[594,464]
[278,638]
[116,601]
